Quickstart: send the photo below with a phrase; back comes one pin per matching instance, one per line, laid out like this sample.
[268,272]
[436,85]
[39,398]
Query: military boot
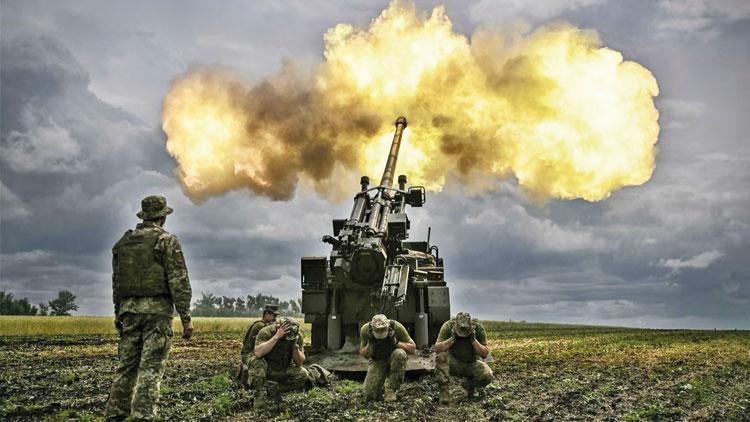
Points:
[445,395]
[389,396]
[470,389]
[259,401]
[274,394]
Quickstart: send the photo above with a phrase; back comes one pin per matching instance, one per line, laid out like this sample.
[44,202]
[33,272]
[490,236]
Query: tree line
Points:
[211,305]
[208,305]
[63,305]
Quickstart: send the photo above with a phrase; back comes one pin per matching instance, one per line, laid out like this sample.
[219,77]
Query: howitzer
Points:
[373,268]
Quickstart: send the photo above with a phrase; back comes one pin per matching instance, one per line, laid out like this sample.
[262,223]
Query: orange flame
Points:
[564,116]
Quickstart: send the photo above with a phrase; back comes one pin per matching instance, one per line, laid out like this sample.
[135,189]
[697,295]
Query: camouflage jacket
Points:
[248,344]
[168,253]
[280,357]
[462,349]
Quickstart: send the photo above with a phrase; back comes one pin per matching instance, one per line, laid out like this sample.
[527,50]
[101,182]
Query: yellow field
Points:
[70,325]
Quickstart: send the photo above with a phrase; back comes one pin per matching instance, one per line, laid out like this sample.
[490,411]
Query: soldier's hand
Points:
[281,331]
[187,330]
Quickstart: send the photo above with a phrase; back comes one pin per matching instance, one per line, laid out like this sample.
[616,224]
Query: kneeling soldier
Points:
[278,356]
[385,342]
[270,312]
[461,345]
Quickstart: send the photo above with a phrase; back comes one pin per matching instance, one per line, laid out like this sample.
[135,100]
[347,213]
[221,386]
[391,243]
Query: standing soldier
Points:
[385,342]
[278,357]
[460,346]
[149,281]
[270,312]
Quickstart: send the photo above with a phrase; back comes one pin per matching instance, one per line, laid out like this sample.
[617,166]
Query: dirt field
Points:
[543,372]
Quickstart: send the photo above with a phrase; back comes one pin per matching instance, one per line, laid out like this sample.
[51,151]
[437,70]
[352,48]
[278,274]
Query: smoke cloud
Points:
[554,109]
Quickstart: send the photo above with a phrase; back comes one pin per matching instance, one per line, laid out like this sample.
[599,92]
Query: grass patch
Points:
[542,371]
[83,325]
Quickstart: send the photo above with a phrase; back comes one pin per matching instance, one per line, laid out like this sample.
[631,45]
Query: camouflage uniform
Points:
[248,343]
[149,282]
[461,360]
[387,365]
[276,366]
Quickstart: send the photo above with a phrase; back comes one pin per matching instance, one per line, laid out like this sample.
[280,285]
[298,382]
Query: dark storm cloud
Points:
[132,50]
[72,178]
[62,147]
[76,161]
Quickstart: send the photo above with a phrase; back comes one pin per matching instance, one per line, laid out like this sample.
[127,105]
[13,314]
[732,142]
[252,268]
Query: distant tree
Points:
[206,301]
[295,307]
[26,307]
[239,305]
[205,305]
[12,306]
[64,304]
[250,304]
[262,300]
[225,306]
[43,309]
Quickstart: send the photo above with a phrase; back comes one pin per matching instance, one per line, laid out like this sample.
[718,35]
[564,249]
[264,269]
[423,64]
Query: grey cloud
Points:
[702,260]
[621,250]
[12,206]
[132,50]
[40,274]
[502,11]
[701,18]
[74,169]
[674,112]
[66,216]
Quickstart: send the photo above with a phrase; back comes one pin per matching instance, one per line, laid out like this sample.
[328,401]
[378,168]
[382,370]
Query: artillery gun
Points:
[373,269]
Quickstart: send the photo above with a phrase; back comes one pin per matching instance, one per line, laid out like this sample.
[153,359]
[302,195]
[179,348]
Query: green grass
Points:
[60,368]
[76,325]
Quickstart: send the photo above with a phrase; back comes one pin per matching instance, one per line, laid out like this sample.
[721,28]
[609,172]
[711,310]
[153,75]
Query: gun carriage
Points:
[374,268]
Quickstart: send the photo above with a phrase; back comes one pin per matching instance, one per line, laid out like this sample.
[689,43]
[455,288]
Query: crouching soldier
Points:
[460,346]
[385,342]
[277,360]
[270,312]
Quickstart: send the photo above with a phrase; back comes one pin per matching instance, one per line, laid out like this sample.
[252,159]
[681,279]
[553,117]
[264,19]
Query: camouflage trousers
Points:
[379,372]
[477,374]
[143,349]
[293,378]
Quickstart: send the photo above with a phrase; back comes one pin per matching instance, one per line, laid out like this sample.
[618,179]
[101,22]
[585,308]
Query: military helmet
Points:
[291,335]
[379,325]
[153,207]
[462,325]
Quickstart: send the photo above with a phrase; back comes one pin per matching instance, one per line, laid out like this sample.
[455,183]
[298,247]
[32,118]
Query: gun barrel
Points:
[390,165]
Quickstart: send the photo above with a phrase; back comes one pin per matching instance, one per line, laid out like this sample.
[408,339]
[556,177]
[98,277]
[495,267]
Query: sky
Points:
[81,85]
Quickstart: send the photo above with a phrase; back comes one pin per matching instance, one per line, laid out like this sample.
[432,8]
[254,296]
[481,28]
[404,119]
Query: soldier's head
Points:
[463,325]
[293,325]
[379,325]
[154,208]
[270,312]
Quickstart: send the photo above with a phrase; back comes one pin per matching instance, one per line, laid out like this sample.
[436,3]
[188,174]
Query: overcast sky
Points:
[82,84]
